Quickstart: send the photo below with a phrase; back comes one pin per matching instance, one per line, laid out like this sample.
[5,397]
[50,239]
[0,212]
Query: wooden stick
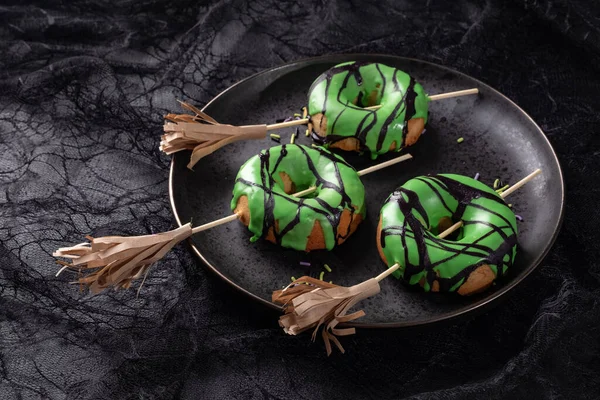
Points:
[282,125]
[450,230]
[311,189]
[384,164]
[503,195]
[458,93]
[364,171]
[212,224]
[387,272]
[520,183]
[305,191]
[434,97]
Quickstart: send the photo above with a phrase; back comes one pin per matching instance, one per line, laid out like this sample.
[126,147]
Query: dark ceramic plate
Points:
[500,141]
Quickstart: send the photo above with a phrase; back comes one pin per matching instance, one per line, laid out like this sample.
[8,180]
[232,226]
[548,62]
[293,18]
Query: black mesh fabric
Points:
[83,88]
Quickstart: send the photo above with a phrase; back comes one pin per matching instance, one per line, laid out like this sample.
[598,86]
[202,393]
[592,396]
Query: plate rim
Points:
[471,309]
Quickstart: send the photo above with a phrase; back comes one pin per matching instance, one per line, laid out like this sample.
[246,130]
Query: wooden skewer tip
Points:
[522,182]
[457,93]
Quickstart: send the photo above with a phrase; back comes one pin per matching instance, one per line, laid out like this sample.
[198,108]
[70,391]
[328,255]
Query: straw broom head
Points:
[311,303]
[202,134]
[115,261]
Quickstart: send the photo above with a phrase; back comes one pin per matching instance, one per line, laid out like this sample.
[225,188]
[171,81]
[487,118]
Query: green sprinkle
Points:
[307,133]
[275,136]
[293,278]
[315,146]
[331,282]
[502,189]
[460,140]
[327,267]
[296,115]
[321,275]
[510,205]
[496,183]
[293,139]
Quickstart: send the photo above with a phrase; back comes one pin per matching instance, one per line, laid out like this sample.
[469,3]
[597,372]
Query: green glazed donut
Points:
[415,213]
[337,97]
[262,197]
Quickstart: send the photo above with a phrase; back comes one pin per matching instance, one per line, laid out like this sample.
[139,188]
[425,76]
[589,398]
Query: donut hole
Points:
[290,187]
[443,224]
[367,98]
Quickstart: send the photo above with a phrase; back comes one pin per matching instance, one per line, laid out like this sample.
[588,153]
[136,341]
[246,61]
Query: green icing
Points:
[409,230]
[338,188]
[401,97]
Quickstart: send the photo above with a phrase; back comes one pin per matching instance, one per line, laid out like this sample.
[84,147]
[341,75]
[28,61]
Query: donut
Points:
[481,251]
[262,197]
[337,97]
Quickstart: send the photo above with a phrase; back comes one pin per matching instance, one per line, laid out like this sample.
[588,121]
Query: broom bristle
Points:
[202,134]
[300,286]
[115,261]
[319,304]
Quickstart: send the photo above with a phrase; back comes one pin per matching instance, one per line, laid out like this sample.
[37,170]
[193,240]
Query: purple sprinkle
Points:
[288,119]
[306,264]
[424,130]
[519,217]
[476,176]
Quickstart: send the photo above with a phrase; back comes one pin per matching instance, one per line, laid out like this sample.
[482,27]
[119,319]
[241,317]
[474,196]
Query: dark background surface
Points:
[83,89]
